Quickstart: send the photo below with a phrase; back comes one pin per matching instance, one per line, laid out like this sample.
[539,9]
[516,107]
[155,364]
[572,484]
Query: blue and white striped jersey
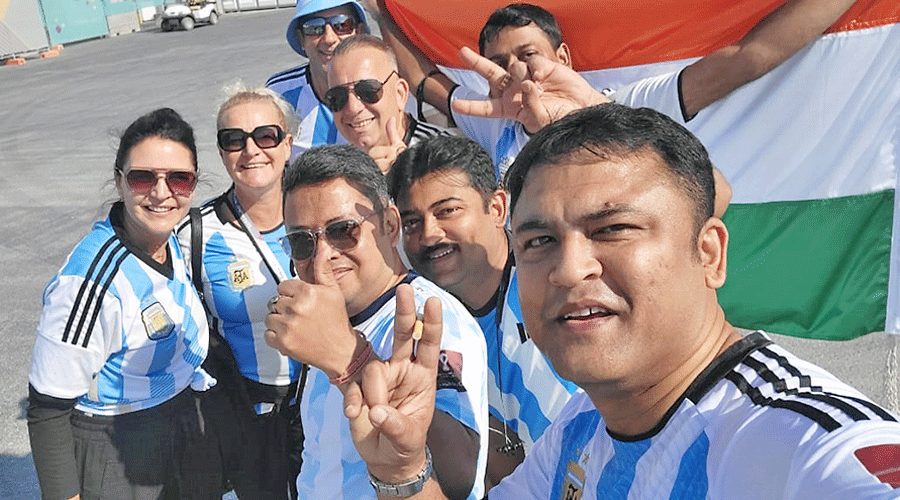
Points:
[332,468]
[757,424]
[237,285]
[523,389]
[119,331]
[501,138]
[314,118]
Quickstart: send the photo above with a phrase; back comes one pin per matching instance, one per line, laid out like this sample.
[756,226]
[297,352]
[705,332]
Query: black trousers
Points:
[260,454]
[157,453]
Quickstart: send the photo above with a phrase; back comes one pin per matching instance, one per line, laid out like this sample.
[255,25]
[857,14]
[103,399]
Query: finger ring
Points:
[271,304]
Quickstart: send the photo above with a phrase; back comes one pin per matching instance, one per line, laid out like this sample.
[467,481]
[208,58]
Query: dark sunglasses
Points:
[369,91]
[342,24]
[179,182]
[235,139]
[343,235]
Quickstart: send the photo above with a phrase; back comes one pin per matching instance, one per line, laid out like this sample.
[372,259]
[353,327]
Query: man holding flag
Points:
[518,31]
[810,147]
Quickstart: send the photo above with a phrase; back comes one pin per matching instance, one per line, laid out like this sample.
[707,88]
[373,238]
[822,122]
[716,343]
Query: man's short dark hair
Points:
[517,15]
[325,163]
[443,153]
[615,131]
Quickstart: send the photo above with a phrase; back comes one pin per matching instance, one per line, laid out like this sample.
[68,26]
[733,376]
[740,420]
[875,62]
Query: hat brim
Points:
[304,10]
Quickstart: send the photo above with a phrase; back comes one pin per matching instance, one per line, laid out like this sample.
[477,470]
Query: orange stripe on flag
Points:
[605,33]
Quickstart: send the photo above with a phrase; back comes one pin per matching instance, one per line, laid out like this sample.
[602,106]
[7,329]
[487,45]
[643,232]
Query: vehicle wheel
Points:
[213,18]
[187,23]
[167,25]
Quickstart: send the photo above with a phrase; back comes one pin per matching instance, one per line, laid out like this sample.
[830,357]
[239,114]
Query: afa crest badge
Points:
[573,485]
[157,322]
[240,275]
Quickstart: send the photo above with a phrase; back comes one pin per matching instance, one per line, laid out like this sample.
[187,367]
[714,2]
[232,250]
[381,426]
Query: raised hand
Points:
[506,93]
[303,310]
[384,155]
[539,92]
[391,404]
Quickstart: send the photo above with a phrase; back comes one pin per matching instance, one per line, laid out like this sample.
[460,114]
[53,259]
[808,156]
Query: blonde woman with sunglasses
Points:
[112,405]
[237,263]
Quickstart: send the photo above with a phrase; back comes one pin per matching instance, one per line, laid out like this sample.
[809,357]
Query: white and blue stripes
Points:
[523,389]
[314,118]
[238,284]
[118,331]
[501,138]
[758,423]
[332,468]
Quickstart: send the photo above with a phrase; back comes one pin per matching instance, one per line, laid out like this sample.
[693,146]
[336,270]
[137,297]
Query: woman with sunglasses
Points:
[111,406]
[239,263]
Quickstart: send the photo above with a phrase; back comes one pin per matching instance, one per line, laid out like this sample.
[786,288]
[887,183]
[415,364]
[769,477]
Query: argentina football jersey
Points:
[131,332]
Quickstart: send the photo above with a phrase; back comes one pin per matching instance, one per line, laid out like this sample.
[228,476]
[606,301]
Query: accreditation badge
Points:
[240,275]
[449,374]
[157,322]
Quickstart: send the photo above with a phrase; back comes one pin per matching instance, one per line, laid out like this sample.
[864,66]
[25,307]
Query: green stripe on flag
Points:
[815,269]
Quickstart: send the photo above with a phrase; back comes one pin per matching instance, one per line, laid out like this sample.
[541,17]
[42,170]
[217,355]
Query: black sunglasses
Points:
[179,182]
[369,91]
[343,235]
[342,24]
[235,139]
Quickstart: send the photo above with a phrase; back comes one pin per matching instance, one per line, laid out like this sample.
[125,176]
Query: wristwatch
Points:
[407,489]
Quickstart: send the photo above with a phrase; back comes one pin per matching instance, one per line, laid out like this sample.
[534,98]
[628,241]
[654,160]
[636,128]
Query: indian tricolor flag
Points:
[811,150]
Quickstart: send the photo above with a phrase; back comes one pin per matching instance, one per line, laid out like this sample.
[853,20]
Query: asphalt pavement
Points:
[59,118]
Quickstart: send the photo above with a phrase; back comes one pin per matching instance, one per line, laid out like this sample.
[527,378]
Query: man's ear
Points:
[498,206]
[712,247]
[402,92]
[391,223]
[563,54]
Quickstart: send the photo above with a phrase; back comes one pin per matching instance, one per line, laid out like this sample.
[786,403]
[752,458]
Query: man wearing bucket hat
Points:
[314,32]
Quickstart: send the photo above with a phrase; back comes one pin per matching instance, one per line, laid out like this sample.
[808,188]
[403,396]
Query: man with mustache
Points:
[619,258]
[454,219]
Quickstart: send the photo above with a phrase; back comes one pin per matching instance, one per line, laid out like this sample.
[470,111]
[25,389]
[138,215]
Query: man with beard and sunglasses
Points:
[342,232]
[314,32]
[454,233]
[368,98]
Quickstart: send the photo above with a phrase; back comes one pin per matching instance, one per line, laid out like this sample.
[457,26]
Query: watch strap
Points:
[405,489]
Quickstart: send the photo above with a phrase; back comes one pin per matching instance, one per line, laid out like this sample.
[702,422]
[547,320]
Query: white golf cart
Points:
[188,13]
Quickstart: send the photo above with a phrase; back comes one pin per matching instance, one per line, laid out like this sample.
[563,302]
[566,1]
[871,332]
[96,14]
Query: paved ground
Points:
[59,117]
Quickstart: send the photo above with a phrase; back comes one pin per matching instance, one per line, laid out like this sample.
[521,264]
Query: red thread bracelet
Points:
[356,365]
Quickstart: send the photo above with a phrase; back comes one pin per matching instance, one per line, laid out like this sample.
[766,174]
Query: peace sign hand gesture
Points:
[391,404]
